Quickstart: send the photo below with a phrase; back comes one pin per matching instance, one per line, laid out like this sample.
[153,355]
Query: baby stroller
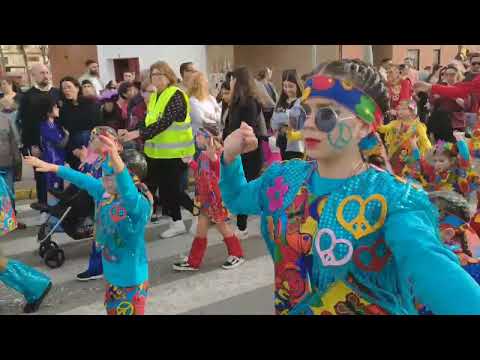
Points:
[73,215]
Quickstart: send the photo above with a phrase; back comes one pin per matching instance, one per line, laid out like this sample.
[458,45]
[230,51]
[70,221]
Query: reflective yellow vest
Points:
[177,140]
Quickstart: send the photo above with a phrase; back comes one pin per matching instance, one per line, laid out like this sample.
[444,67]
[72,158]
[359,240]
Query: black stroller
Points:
[73,215]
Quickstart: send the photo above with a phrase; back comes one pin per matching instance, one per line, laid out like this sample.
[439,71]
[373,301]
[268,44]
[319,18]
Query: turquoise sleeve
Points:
[93,186]
[416,154]
[239,196]
[463,150]
[438,279]
[130,197]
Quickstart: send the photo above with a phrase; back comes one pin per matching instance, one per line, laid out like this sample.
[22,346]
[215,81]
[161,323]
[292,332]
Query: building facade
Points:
[114,60]
[215,60]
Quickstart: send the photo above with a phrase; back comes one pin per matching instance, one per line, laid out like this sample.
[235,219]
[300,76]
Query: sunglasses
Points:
[326,118]
[475,63]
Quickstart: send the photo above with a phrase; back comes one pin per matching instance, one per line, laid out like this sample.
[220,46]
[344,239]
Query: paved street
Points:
[212,290]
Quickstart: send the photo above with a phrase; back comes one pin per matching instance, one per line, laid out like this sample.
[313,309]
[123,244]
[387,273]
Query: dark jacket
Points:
[113,119]
[84,115]
[243,112]
[79,119]
[247,112]
[33,107]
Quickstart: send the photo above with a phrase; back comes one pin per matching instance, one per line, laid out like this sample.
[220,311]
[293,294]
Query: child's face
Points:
[55,112]
[404,112]
[202,141]
[109,184]
[441,162]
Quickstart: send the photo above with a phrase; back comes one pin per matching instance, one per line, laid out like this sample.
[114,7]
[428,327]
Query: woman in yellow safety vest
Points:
[169,141]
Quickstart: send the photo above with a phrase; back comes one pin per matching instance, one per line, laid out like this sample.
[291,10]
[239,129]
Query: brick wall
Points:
[447,53]
[70,60]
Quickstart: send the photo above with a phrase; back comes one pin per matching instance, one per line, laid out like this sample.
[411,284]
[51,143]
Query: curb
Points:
[25,194]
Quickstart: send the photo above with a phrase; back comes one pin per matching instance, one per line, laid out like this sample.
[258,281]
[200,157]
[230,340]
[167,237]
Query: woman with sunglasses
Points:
[290,144]
[346,237]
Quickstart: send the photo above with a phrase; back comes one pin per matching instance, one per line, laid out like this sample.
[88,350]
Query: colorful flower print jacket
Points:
[368,244]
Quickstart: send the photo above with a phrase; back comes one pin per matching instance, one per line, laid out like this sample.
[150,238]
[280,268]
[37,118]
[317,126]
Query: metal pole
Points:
[368,54]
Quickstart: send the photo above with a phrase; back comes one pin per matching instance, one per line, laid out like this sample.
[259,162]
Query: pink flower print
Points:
[276,194]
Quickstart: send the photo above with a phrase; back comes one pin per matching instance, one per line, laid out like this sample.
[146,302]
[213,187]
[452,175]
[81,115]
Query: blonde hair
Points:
[163,67]
[199,87]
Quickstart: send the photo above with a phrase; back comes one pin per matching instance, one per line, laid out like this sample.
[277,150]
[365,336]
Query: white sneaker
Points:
[176,228]
[193,228]
[232,262]
[242,235]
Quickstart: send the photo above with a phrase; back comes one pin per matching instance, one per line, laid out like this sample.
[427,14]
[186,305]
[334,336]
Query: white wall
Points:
[174,55]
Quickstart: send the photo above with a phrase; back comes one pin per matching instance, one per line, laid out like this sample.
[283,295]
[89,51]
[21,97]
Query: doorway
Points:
[126,65]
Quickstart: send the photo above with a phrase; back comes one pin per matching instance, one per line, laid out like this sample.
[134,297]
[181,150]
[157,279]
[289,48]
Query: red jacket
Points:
[462,90]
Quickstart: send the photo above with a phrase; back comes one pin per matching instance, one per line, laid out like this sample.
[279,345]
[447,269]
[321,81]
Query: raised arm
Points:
[434,271]
[134,202]
[93,186]
[239,196]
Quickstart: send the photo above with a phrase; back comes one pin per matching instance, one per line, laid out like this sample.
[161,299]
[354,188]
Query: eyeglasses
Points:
[475,63]
[326,118]
[157,74]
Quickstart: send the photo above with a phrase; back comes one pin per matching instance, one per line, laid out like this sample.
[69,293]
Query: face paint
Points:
[344,136]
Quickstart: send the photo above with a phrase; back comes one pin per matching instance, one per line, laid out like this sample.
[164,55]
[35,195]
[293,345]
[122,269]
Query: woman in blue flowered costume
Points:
[31,283]
[346,237]
[123,209]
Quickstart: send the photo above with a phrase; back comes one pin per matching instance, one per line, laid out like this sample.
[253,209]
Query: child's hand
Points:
[40,165]
[36,151]
[212,155]
[113,150]
[81,153]
[459,136]
[460,102]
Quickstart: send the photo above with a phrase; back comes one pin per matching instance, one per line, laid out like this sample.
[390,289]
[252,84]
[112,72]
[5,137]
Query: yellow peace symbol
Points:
[125,308]
[360,226]
[347,85]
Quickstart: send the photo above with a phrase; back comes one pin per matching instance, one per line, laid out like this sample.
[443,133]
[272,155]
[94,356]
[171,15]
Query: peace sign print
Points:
[125,308]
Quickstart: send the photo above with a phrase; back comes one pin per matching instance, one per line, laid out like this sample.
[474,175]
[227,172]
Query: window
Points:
[414,54]
[436,56]
[33,58]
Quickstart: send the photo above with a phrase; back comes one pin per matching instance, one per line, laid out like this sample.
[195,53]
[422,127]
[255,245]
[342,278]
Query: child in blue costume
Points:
[92,161]
[346,237]
[53,140]
[457,234]
[122,213]
[31,283]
